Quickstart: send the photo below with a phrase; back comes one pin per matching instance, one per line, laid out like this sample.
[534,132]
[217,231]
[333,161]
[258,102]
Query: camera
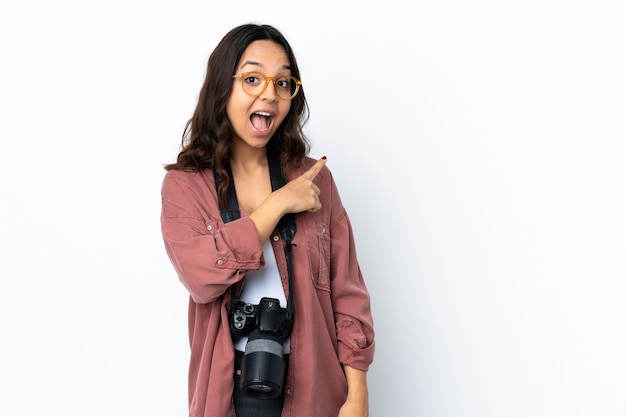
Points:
[267,325]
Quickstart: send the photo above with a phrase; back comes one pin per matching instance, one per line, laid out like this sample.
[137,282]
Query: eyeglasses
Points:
[255,83]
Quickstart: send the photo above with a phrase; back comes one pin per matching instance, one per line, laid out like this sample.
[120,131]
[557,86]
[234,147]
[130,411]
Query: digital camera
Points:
[267,325]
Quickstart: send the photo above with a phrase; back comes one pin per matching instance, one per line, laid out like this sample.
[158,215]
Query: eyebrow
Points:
[258,64]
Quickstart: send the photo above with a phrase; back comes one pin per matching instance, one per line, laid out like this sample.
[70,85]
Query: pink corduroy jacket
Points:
[333,322]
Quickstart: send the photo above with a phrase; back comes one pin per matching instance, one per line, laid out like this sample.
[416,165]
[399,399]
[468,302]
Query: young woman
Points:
[306,295]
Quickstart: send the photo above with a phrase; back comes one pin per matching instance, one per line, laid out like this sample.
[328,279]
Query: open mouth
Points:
[261,120]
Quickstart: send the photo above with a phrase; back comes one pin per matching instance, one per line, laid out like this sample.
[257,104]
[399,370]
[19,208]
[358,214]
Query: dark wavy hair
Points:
[208,135]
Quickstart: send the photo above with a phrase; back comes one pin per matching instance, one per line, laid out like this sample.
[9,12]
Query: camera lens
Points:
[263,366]
[260,388]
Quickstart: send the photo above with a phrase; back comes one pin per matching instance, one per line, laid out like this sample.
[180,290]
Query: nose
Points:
[270,90]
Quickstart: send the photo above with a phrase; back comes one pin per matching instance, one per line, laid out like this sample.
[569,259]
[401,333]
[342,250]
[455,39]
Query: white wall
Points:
[479,147]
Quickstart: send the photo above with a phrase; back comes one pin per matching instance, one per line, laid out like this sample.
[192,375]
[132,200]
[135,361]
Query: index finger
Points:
[316,168]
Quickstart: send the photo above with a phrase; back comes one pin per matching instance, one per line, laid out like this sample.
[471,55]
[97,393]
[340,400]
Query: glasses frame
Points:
[243,76]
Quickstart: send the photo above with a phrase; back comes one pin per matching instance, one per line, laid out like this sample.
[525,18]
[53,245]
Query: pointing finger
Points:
[316,168]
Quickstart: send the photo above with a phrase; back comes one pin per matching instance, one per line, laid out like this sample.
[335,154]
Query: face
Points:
[256,119]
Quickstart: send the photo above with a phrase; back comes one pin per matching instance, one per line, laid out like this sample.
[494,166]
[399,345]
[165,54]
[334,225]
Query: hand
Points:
[298,195]
[301,194]
[357,402]
[354,408]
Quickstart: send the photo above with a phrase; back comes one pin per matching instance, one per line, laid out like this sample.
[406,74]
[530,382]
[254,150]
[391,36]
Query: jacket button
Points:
[276,238]
[220,262]
[209,227]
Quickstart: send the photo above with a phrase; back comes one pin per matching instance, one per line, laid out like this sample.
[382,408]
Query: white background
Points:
[479,148]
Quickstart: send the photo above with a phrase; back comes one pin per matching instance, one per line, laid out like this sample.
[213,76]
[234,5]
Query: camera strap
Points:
[286,226]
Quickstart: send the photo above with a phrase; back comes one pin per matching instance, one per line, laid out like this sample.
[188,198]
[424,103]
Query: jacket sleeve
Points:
[208,255]
[350,297]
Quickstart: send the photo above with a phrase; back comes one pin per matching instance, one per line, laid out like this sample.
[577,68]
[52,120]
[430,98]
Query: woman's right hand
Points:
[298,195]
[301,194]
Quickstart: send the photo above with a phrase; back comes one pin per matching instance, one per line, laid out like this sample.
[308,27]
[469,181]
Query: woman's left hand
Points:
[353,408]
[357,404]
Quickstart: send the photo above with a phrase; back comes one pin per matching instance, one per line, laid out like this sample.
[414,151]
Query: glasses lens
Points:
[286,87]
[253,83]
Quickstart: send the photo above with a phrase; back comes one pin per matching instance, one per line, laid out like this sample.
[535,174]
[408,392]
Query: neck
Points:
[248,158]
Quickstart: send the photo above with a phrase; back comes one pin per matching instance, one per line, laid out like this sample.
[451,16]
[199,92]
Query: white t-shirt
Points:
[263,283]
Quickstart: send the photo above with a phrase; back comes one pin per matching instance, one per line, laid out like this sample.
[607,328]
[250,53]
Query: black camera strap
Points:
[286,226]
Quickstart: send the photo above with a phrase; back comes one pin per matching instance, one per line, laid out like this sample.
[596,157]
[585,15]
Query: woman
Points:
[250,112]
